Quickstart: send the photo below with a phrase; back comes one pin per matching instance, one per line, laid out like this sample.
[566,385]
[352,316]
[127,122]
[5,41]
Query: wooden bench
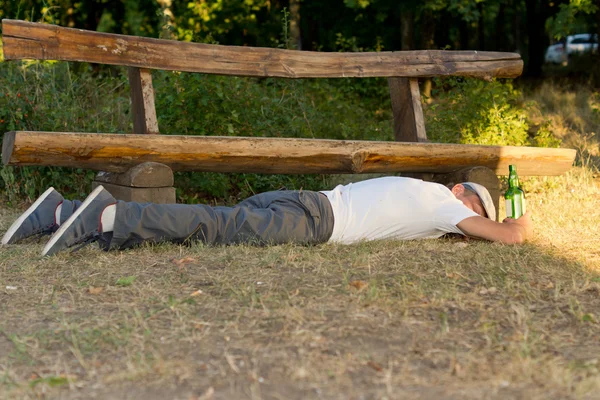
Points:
[117,154]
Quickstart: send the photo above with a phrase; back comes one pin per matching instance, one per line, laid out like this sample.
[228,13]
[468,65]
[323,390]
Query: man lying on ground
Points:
[383,208]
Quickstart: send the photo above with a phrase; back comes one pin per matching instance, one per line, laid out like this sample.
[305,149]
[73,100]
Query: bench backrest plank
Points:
[27,40]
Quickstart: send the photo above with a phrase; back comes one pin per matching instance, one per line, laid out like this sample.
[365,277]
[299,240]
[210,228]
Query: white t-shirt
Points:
[394,207]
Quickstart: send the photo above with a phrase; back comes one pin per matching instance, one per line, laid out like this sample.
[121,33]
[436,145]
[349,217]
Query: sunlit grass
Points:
[574,116]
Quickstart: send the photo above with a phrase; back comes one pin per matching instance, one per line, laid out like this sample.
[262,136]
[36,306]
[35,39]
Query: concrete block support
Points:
[148,182]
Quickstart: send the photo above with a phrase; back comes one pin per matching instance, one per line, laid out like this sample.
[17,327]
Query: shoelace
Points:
[85,240]
[45,230]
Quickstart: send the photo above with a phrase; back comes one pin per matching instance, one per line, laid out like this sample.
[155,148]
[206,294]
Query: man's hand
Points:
[510,231]
[524,221]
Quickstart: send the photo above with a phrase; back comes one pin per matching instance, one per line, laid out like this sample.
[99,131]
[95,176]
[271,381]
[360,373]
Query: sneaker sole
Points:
[72,218]
[17,224]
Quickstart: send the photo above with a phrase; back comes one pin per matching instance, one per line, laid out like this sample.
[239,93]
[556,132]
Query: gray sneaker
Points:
[83,227]
[37,220]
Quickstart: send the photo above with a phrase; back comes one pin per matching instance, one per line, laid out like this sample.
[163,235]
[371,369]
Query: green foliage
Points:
[254,22]
[576,16]
[195,104]
[477,112]
[48,96]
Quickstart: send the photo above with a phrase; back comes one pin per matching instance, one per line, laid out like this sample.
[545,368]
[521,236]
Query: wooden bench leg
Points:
[409,124]
[148,182]
[142,101]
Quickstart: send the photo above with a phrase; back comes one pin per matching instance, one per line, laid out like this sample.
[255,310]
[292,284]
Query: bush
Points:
[49,96]
[196,104]
[477,112]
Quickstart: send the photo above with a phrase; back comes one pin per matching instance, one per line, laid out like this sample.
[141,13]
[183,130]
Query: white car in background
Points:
[560,52]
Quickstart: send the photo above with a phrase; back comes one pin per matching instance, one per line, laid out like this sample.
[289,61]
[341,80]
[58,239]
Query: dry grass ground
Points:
[441,319]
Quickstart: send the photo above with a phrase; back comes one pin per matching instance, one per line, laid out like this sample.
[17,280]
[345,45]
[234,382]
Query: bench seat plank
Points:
[28,40]
[119,152]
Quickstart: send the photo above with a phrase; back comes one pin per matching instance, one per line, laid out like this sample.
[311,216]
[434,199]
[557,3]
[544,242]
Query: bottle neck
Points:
[513,180]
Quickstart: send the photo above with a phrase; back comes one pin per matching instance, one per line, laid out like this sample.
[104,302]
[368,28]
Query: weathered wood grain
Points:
[145,175]
[28,40]
[409,124]
[142,101]
[117,153]
[159,195]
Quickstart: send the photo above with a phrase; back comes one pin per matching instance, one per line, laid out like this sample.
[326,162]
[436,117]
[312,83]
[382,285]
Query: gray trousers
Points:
[302,217]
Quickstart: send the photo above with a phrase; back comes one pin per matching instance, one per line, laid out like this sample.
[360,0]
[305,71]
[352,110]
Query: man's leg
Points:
[267,218]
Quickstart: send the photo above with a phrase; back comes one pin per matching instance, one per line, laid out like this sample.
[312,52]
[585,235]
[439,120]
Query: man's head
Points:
[476,197]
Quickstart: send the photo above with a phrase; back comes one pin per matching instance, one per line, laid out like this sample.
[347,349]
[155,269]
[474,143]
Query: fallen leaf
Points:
[181,263]
[375,366]
[201,325]
[231,361]
[95,290]
[358,285]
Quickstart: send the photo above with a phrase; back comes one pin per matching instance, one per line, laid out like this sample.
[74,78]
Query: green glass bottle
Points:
[514,196]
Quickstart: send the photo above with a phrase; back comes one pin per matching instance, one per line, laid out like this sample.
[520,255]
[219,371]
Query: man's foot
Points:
[39,219]
[83,226]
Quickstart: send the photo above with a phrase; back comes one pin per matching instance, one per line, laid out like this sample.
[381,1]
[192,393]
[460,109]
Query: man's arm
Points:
[510,231]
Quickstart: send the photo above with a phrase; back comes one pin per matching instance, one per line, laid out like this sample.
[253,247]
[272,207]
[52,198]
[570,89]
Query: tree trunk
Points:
[537,41]
[407,24]
[480,28]
[500,34]
[295,34]
[93,12]
[428,42]
[518,40]
[463,32]
[597,73]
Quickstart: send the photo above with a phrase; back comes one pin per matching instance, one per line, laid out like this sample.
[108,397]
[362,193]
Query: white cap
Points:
[484,196]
